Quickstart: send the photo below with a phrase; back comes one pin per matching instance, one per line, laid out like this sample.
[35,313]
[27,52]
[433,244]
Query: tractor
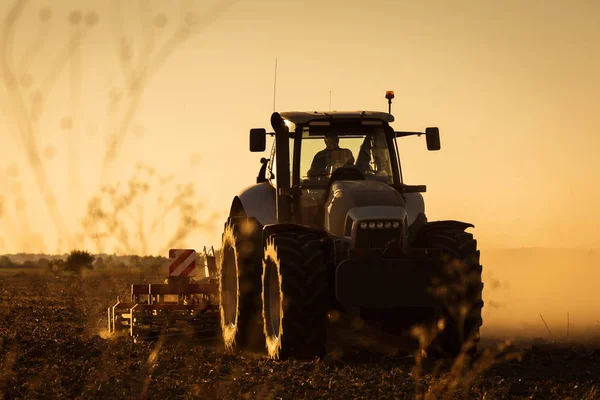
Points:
[331,227]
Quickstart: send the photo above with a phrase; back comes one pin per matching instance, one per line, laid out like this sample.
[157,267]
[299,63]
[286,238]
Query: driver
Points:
[332,156]
[373,156]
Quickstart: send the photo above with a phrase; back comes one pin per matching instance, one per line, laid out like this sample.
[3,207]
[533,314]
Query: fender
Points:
[415,205]
[443,225]
[256,201]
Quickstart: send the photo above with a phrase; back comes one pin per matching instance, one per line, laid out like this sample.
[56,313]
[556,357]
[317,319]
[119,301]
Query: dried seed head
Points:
[66,123]
[45,14]
[160,21]
[75,17]
[91,18]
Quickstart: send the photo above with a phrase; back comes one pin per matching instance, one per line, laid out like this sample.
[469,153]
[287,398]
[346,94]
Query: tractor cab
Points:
[344,146]
[321,148]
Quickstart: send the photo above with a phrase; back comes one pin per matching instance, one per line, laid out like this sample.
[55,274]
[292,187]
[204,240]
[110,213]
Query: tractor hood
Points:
[375,197]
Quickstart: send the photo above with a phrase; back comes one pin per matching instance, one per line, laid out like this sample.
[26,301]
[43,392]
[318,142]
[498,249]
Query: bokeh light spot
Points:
[45,14]
[66,123]
[160,21]
[49,152]
[91,18]
[75,17]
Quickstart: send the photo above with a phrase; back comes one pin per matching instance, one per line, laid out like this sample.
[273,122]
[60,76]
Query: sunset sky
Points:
[513,86]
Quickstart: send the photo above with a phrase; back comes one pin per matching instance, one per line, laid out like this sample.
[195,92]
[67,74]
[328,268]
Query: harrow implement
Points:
[179,306]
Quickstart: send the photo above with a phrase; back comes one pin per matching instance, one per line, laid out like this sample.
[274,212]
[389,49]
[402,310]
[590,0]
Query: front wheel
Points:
[460,292]
[295,295]
[239,285]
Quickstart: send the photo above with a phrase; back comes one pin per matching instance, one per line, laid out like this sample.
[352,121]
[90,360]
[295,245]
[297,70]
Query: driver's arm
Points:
[318,165]
[349,157]
[364,155]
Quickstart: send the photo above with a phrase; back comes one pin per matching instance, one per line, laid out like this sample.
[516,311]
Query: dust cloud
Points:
[527,289]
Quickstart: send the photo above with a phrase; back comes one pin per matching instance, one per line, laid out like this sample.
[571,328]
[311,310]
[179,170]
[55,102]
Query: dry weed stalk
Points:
[118,217]
[25,95]
[593,393]
[140,64]
[464,370]
[150,365]
[461,374]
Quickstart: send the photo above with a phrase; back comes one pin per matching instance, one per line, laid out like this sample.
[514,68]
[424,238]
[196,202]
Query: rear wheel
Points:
[295,295]
[460,292]
[239,285]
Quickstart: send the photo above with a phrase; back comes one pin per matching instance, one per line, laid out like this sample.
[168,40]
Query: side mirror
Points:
[432,136]
[258,139]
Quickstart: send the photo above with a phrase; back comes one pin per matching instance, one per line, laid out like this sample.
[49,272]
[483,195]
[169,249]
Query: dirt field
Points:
[53,345]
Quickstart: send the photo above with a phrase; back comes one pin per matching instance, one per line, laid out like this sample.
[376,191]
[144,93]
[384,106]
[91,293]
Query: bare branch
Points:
[13,16]
[145,72]
[34,48]
[62,60]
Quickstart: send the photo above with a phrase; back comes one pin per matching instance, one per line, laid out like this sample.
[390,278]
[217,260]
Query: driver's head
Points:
[331,141]
[379,141]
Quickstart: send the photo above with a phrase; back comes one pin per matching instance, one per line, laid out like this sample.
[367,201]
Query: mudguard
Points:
[415,205]
[256,201]
[423,231]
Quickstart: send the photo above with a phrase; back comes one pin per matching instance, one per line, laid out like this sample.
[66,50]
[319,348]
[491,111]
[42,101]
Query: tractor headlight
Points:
[378,234]
[381,224]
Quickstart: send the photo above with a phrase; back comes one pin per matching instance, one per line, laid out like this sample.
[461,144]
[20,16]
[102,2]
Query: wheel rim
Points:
[230,287]
[273,301]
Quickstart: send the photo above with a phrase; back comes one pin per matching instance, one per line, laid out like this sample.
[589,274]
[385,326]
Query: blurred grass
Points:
[27,84]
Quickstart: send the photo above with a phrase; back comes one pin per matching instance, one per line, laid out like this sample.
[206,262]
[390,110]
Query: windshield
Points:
[322,154]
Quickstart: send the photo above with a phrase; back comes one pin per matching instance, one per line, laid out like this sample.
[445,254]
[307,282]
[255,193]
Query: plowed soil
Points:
[53,344]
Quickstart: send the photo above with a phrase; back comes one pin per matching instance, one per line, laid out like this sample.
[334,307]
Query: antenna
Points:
[275,84]
[330,100]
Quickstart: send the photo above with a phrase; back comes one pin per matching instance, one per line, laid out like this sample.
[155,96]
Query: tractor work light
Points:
[363,225]
[396,225]
[371,225]
[380,225]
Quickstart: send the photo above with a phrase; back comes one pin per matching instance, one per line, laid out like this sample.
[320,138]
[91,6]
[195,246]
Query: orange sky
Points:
[512,85]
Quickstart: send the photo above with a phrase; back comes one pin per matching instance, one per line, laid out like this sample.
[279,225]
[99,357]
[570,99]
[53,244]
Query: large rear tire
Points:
[460,292]
[240,271]
[295,295]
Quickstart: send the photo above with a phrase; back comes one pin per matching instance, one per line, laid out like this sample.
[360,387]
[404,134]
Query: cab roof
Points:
[303,117]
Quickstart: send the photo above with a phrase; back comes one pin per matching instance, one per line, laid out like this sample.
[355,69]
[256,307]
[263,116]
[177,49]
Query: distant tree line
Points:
[7,262]
[79,261]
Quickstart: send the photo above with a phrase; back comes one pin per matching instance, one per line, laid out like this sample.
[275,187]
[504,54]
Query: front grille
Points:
[378,238]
